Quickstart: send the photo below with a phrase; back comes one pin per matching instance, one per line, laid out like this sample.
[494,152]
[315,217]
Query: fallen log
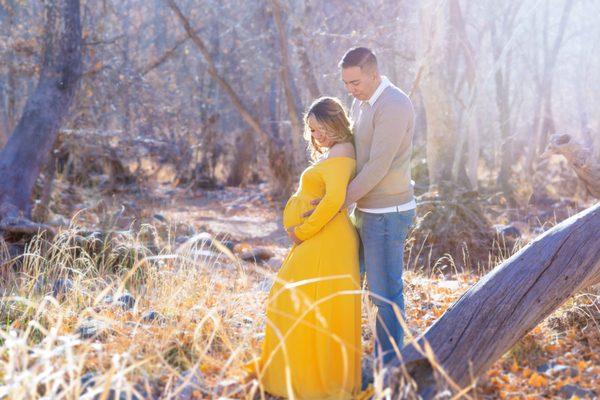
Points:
[23,226]
[121,159]
[504,306]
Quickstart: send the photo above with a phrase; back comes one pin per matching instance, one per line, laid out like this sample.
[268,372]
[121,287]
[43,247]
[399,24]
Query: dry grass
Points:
[209,308]
[210,318]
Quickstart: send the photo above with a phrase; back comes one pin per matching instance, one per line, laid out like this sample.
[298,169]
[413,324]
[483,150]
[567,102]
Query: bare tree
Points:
[448,88]
[7,91]
[291,92]
[280,166]
[125,90]
[479,109]
[502,26]
[32,139]
[543,122]
[306,66]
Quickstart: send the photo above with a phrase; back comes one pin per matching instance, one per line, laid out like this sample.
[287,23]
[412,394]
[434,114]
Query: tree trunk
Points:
[292,99]
[501,32]
[448,92]
[3,121]
[7,91]
[306,67]
[160,28]
[125,89]
[473,148]
[544,122]
[27,150]
[506,304]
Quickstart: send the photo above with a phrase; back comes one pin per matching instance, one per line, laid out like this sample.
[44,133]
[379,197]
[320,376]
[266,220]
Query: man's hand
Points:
[315,203]
[291,233]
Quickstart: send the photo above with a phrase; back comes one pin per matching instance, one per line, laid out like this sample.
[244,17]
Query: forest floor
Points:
[210,305]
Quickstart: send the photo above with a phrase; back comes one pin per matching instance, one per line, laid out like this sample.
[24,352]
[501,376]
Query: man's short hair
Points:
[359,57]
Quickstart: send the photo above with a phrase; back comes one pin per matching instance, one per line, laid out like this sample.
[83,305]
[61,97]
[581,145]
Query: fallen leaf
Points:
[537,380]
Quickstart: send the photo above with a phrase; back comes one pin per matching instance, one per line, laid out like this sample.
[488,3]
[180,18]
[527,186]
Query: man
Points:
[383,119]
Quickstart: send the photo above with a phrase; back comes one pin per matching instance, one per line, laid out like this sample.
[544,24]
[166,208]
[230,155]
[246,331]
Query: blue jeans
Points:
[381,252]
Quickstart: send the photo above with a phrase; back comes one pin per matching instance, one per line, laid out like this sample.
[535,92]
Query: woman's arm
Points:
[336,182]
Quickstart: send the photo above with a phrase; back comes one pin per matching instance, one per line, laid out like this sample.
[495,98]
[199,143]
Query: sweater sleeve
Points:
[390,134]
[336,180]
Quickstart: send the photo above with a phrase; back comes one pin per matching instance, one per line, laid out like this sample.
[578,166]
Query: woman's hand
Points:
[291,233]
[314,202]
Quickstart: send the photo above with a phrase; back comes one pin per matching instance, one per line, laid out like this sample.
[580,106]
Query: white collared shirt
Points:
[385,82]
[411,205]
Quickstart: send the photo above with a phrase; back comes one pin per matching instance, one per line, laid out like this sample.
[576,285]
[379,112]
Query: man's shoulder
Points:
[393,94]
[394,99]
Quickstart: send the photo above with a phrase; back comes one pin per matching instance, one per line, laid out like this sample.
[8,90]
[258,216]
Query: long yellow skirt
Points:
[312,345]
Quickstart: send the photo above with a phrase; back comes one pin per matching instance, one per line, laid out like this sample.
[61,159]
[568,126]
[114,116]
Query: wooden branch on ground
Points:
[580,158]
[23,227]
[121,158]
[505,305]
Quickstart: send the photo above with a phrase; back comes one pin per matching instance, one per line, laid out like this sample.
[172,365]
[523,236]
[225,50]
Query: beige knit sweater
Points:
[383,138]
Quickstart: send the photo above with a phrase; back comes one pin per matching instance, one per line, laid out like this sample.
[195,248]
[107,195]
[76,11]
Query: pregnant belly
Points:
[294,209]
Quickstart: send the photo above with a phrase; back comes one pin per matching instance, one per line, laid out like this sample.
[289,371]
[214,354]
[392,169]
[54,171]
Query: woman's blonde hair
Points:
[331,115]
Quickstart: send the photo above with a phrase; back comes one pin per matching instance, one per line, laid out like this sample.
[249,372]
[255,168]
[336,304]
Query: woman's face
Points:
[318,133]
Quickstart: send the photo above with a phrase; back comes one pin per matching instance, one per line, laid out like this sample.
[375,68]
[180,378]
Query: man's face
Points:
[361,84]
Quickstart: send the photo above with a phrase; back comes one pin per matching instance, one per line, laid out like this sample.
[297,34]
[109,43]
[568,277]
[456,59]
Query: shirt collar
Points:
[385,82]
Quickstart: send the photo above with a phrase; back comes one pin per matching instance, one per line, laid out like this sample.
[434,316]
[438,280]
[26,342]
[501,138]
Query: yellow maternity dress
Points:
[312,345]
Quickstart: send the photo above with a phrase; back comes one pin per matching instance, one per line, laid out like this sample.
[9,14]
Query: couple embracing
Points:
[312,345]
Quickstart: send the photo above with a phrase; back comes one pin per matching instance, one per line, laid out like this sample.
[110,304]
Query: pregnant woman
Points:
[312,345]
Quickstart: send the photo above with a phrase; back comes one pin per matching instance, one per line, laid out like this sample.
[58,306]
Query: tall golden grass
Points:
[210,311]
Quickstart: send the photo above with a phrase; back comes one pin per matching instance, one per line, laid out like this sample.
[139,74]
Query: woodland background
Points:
[183,139]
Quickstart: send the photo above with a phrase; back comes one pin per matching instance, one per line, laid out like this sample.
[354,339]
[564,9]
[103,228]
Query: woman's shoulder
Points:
[342,150]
